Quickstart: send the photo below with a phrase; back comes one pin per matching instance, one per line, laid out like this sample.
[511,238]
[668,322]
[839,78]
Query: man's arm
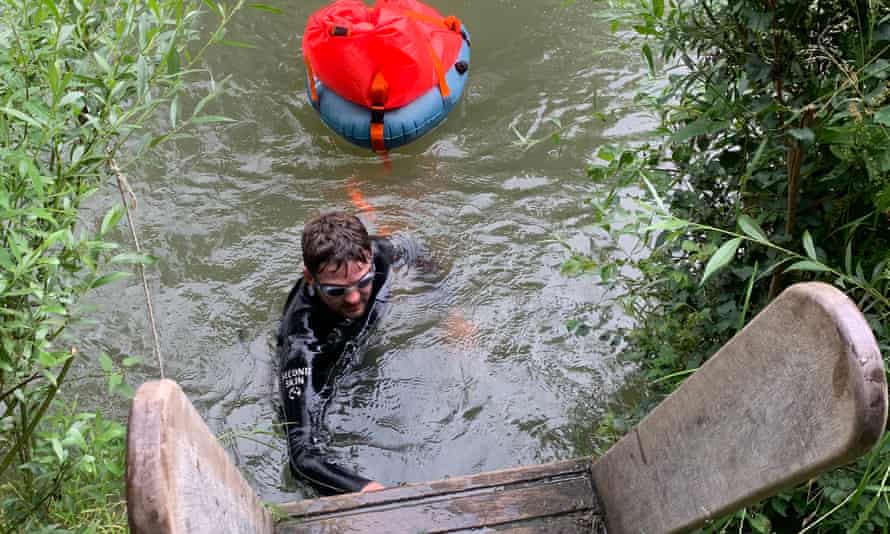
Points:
[303,408]
[404,249]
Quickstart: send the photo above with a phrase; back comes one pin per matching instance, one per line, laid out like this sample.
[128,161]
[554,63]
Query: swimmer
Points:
[341,296]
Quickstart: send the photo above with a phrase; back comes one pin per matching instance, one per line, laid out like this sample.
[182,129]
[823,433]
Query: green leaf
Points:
[130,361]
[172,59]
[109,278]
[264,7]
[721,258]
[57,448]
[174,111]
[126,390]
[807,265]
[204,119]
[134,258]
[103,63]
[646,29]
[70,98]
[48,359]
[75,437]
[654,194]
[87,464]
[52,76]
[141,75]
[115,430]
[237,44]
[22,116]
[153,5]
[882,116]
[114,381]
[752,229]
[878,69]
[669,225]
[54,238]
[58,309]
[658,8]
[700,126]
[52,7]
[115,469]
[647,54]
[203,102]
[111,219]
[803,134]
[45,373]
[159,139]
[760,523]
[106,363]
[808,245]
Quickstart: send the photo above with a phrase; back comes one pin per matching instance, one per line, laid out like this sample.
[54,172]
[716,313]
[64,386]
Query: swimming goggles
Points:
[335,290]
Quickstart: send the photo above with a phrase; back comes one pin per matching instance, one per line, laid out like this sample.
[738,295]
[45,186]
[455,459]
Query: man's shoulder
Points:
[396,249]
[296,298]
[382,247]
[297,308]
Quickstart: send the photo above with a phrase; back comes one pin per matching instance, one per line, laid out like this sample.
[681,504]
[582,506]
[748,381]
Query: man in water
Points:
[329,312]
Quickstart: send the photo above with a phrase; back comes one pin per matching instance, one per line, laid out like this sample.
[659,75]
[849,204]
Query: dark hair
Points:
[334,239]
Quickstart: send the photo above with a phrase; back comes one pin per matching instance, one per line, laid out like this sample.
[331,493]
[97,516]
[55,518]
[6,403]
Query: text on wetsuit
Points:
[294,379]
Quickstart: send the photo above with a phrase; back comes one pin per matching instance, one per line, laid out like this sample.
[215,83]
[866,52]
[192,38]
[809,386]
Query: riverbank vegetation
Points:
[85,88]
[773,168]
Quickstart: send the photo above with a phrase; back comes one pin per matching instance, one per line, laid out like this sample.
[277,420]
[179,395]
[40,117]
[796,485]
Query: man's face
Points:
[346,290]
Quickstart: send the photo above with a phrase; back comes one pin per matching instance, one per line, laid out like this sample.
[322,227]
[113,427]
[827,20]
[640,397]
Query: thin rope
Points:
[126,191]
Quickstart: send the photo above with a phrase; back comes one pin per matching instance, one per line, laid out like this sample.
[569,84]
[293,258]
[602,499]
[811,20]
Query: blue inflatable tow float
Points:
[376,115]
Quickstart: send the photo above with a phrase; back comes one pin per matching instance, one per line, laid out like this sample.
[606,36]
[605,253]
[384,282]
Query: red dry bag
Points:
[404,45]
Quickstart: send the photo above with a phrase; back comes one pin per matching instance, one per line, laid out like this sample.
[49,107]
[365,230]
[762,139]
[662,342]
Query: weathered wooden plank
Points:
[428,490]
[799,390]
[508,497]
[179,479]
[574,523]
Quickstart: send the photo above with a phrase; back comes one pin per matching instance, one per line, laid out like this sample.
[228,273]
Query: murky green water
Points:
[224,211]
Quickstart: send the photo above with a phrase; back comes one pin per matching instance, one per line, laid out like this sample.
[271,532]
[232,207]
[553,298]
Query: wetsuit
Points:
[315,345]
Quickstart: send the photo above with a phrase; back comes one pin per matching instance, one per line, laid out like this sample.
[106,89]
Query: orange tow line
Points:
[364,207]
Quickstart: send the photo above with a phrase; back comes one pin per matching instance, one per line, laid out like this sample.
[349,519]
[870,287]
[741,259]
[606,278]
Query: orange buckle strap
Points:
[379,94]
[313,94]
[452,23]
[339,31]
[377,141]
[440,73]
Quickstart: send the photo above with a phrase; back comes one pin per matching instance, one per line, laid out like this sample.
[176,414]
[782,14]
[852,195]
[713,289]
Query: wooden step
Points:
[558,496]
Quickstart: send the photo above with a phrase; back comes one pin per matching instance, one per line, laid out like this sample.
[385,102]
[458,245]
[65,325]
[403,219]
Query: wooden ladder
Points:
[800,390]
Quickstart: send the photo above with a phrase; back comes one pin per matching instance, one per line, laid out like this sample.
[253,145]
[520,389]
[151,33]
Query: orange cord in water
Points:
[364,207]
[358,200]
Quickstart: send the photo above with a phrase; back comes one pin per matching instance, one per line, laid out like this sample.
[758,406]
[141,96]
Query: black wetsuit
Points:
[314,347]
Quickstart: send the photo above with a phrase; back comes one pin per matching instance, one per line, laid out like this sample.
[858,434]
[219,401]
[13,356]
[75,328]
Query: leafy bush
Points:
[79,80]
[774,168]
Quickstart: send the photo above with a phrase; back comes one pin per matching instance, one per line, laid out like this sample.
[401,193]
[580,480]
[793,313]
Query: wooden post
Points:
[799,390]
[179,479]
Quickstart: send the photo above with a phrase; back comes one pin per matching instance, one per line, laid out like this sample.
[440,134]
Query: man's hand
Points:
[460,329]
[373,486]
